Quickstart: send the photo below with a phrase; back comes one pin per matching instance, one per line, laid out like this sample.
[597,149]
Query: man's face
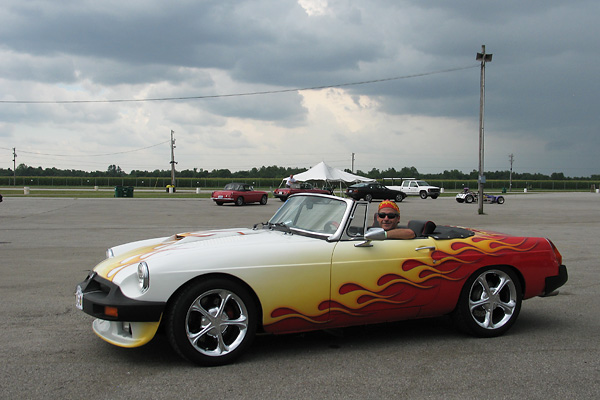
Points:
[386,222]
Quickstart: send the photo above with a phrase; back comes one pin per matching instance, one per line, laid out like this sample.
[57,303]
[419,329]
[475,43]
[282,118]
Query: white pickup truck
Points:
[417,187]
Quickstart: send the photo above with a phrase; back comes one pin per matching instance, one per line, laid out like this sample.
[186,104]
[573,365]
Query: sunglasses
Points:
[389,215]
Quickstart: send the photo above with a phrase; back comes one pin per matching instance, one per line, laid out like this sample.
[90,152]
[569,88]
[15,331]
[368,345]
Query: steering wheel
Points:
[331,226]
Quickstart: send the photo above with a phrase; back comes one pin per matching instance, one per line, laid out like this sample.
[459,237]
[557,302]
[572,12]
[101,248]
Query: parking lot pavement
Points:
[49,350]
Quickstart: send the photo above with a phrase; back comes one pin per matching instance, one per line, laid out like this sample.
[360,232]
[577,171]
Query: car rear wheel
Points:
[212,322]
[500,200]
[263,200]
[489,303]
[423,194]
[369,197]
[239,201]
[469,198]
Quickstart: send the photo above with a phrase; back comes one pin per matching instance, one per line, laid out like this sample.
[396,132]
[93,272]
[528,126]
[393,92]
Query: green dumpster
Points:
[122,191]
[503,190]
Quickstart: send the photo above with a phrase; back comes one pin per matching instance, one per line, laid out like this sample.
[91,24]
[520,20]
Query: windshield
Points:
[310,213]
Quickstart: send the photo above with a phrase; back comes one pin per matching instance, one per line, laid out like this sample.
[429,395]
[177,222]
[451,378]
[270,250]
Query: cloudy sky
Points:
[246,83]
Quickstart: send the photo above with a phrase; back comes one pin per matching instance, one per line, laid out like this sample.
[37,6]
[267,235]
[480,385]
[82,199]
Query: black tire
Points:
[500,200]
[283,198]
[219,203]
[369,197]
[460,200]
[211,322]
[469,198]
[239,201]
[434,196]
[489,303]
[399,198]
[263,200]
[423,194]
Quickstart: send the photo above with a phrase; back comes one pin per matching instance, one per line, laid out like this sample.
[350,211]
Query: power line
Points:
[236,94]
[92,155]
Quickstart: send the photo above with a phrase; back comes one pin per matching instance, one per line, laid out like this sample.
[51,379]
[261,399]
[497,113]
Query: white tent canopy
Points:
[323,172]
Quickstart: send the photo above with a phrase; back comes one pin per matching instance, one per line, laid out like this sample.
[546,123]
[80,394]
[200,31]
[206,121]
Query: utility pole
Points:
[173,160]
[14,166]
[511,158]
[483,57]
[352,163]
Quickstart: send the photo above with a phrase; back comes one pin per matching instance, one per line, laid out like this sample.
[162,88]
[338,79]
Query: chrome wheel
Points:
[216,322]
[212,322]
[493,299]
[490,302]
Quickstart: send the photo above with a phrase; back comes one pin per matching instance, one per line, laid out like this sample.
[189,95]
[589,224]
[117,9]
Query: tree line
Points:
[281,172]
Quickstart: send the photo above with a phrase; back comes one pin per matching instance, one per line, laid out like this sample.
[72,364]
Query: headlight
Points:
[143,276]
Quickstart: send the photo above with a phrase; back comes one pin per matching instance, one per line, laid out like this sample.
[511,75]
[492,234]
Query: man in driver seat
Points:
[388,217]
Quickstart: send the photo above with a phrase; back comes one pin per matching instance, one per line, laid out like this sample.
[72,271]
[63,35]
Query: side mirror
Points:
[372,234]
[375,234]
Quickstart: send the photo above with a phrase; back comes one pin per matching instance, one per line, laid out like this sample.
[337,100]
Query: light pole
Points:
[483,57]
[173,162]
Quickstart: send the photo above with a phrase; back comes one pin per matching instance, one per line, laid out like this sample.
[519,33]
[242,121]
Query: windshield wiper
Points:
[279,226]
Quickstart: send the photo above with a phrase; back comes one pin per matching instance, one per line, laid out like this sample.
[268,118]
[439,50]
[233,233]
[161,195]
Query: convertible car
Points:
[301,187]
[239,194]
[315,264]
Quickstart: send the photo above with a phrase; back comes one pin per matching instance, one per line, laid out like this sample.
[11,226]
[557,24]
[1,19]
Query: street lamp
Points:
[483,57]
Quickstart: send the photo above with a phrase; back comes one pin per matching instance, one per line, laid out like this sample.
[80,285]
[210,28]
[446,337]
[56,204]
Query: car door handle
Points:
[425,248]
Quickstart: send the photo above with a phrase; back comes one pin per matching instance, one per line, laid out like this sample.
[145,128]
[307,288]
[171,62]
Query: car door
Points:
[389,280]
[379,192]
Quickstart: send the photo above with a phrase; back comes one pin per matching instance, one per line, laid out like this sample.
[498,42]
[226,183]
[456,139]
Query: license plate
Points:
[79,298]
[220,196]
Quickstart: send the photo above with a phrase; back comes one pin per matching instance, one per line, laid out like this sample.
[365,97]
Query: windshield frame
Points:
[296,206]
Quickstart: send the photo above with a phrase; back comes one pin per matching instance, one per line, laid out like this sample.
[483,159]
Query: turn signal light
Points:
[111,311]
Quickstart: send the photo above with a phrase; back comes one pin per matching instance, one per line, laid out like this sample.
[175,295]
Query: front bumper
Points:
[103,299]
[223,199]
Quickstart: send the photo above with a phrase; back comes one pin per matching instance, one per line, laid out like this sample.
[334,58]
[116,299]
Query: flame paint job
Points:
[400,282]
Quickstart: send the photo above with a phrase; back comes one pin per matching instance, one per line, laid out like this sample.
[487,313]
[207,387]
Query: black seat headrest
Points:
[421,227]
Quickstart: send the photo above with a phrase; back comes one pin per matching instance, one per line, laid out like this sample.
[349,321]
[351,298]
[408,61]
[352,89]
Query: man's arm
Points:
[400,233]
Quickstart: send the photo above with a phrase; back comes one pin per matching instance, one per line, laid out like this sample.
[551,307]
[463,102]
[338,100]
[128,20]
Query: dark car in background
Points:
[374,191]
[239,194]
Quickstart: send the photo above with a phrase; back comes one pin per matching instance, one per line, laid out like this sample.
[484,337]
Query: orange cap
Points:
[388,204]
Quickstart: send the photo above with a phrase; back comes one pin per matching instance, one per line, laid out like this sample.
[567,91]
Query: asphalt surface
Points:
[48,349]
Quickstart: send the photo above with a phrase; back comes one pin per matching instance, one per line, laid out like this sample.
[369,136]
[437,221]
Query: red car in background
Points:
[239,194]
[301,187]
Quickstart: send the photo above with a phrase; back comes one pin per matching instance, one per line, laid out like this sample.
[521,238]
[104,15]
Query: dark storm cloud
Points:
[541,85]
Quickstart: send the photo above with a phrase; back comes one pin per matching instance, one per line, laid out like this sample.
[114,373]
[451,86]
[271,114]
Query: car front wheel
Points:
[423,194]
[469,199]
[489,303]
[239,201]
[211,323]
[263,200]
[500,200]
[399,197]
[368,197]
